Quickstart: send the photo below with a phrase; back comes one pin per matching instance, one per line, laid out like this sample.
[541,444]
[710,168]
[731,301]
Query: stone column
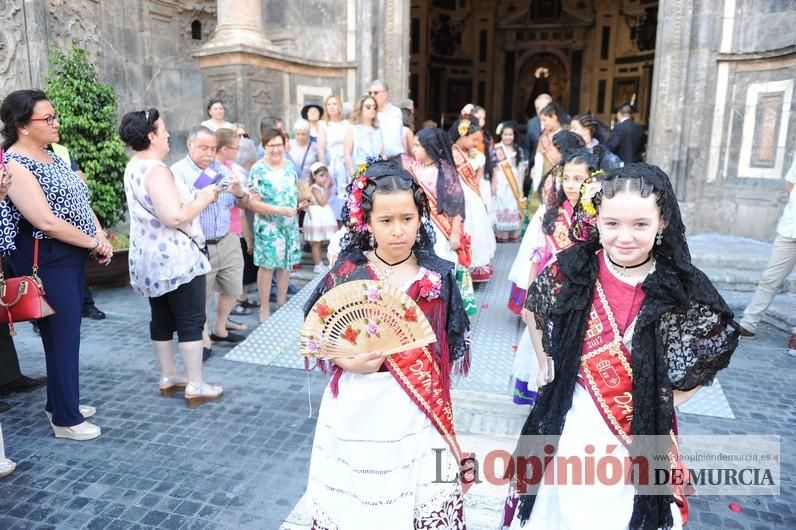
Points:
[240,22]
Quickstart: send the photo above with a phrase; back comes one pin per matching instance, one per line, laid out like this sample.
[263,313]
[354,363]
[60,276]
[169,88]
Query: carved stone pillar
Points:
[240,22]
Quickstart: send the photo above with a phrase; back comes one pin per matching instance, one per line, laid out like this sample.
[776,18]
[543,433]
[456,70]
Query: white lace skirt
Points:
[374,463]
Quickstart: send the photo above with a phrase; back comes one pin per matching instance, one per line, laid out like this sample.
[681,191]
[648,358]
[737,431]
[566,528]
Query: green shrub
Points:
[89,129]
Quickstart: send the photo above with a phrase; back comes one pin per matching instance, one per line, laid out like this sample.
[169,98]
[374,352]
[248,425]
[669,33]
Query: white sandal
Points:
[196,395]
[82,432]
[169,385]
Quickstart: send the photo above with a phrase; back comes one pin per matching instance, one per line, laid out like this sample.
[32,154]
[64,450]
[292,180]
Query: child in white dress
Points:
[321,222]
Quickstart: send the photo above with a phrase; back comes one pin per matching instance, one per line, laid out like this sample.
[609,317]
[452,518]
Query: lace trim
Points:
[365,471]
[354,440]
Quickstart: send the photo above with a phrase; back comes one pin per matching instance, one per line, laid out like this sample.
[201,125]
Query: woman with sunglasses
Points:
[50,220]
[363,140]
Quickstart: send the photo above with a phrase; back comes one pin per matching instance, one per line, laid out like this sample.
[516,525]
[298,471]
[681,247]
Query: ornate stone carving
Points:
[75,22]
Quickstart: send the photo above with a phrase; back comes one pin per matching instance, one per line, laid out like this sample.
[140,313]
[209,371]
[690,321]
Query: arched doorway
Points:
[540,73]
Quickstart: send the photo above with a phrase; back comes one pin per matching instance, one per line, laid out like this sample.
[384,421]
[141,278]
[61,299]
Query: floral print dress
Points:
[277,243]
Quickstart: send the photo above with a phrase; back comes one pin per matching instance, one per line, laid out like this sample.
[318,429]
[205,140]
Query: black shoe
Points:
[206,354]
[231,337]
[4,406]
[35,324]
[93,313]
[292,289]
[22,384]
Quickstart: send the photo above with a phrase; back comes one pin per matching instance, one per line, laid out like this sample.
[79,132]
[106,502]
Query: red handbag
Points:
[22,298]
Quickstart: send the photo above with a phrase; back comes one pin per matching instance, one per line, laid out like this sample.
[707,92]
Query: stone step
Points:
[743,279]
[733,263]
[720,251]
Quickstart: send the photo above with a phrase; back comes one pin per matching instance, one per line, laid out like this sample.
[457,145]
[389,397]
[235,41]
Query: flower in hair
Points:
[463,128]
[590,187]
[356,214]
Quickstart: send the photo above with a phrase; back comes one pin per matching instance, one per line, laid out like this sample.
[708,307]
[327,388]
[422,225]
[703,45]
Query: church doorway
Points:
[590,55]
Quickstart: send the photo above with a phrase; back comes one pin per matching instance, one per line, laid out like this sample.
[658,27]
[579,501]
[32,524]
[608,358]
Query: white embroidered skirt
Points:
[375,459]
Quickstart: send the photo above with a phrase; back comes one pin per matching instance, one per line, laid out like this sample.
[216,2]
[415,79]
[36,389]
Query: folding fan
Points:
[364,316]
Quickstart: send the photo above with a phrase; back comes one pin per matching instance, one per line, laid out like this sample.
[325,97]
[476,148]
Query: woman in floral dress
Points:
[277,243]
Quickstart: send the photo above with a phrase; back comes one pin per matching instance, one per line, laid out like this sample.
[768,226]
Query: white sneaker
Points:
[319,268]
[791,352]
[82,432]
[86,410]
[7,467]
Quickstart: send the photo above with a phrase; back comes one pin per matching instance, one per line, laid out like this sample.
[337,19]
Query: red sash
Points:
[606,372]
[465,170]
[559,239]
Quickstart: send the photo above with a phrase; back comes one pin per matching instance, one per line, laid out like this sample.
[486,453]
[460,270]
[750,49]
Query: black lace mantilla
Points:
[684,335]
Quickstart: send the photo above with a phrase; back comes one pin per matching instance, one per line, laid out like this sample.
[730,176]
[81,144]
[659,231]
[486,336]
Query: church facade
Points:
[712,81]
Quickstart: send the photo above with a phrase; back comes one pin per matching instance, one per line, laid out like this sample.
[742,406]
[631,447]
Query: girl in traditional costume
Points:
[509,163]
[476,219]
[633,330]
[383,428]
[434,171]
[547,235]
[549,196]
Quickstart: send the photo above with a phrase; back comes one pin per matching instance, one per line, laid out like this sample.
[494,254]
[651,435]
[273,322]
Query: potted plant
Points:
[88,121]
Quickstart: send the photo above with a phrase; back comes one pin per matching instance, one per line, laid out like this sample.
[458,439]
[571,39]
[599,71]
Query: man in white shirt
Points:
[391,121]
[780,265]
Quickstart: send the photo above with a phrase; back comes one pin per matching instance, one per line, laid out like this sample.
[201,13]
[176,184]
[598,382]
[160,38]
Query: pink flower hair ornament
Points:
[356,214]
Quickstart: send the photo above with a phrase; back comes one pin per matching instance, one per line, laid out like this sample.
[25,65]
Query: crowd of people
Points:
[602,274]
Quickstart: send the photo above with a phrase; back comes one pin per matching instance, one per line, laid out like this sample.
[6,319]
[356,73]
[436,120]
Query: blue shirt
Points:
[215,219]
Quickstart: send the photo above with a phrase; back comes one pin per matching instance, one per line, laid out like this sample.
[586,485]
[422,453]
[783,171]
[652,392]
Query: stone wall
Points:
[724,107]
[146,50]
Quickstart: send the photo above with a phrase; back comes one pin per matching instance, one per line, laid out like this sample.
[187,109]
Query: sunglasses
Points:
[243,135]
[49,119]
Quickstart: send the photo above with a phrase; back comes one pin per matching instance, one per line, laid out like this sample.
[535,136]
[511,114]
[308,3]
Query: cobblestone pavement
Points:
[242,462]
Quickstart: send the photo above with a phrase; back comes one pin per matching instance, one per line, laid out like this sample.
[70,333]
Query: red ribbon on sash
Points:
[606,372]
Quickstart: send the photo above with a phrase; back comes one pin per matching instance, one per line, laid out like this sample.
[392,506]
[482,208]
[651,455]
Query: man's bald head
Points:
[541,102]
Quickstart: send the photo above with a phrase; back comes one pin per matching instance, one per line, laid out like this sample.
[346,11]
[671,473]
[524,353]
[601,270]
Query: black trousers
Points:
[9,362]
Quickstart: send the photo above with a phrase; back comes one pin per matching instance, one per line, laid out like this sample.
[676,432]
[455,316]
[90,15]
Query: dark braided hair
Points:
[595,126]
[384,177]
[579,155]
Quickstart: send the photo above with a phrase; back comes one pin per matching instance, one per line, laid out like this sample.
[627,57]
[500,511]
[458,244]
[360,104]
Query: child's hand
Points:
[361,363]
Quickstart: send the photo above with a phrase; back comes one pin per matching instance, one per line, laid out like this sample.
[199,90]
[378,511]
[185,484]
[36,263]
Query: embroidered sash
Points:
[559,239]
[508,172]
[606,372]
[465,170]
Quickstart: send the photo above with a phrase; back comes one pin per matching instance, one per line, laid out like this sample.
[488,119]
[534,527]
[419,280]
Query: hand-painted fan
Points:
[364,316]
